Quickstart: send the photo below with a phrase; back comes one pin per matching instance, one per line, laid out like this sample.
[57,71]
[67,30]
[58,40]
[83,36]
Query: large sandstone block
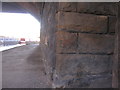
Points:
[68,6]
[95,43]
[102,82]
[105,8]
[91,81]
[66,42]
[71,21]
[112,23]
[82,64]
[82,68]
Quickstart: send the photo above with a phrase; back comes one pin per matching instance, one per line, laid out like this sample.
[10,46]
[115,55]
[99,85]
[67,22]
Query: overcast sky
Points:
[19,26]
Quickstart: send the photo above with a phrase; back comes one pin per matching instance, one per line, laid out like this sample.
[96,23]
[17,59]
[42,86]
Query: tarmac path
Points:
[22,67]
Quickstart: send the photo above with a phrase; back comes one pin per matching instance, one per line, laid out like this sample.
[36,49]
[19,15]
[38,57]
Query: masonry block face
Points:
[112,24]
[95,43]
[105,8]
[83,64]
[104,82]
[48,28]
[71,21]
[68,6]
[81,69]
[91,81]
[66,42]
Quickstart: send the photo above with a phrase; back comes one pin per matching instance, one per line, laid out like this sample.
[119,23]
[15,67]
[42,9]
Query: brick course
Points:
[101,8]
[81,69]
[95,43]
[66,42]
[68,6]
[112,24]
[71,21]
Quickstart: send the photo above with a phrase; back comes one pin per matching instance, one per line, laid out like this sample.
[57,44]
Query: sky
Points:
[19,25]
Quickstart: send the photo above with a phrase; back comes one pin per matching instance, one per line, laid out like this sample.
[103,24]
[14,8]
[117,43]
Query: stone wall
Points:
[47,42]
[78,43]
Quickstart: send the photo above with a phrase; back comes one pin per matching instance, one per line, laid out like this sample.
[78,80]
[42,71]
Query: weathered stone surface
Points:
[91,81]
[95,43]
[106,8]
[83,70]
[48,28]
[84,64]
[67,6]
[102,82]
[112,23]
[66,42]
[71,21]
[73,67]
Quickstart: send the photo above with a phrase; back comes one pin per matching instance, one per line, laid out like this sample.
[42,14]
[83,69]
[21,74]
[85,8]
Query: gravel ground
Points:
[22,67]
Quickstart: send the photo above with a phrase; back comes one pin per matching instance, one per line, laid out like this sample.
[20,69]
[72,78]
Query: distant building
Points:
[5,41]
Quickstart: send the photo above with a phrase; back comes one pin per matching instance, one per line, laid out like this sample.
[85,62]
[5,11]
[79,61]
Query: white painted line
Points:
[3,48]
